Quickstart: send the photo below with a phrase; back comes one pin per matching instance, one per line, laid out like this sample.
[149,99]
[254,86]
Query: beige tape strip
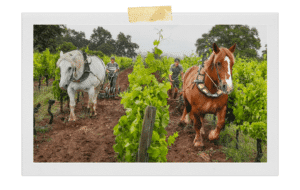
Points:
[150,14]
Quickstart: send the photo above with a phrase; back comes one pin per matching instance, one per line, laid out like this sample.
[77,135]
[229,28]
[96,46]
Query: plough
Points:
[109,92]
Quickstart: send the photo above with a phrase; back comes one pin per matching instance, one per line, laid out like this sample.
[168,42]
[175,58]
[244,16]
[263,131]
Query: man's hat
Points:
[177,60]
[112,58]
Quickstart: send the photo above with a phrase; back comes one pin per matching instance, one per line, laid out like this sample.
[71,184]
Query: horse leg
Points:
[214,134]
[175,93]
[198,141]
[71,94]
[97,89]
[91,93]
[187,119]
[186,110]
[182,120]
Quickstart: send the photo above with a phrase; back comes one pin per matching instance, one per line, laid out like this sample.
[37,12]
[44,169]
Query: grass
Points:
[43,96]
[43,129]
[247,145]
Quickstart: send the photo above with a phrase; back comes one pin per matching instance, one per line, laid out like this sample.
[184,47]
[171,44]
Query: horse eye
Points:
[69,68]
[219,63]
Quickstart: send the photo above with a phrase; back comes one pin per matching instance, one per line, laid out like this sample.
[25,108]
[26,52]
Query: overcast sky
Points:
[178,40]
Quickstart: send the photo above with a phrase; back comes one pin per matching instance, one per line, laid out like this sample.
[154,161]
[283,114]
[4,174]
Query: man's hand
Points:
[170,77]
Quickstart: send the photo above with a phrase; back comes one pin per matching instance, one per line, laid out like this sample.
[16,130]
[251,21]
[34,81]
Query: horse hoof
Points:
[198,144]
[212,135]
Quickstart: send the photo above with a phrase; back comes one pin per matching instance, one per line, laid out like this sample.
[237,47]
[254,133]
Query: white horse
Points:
[81,73]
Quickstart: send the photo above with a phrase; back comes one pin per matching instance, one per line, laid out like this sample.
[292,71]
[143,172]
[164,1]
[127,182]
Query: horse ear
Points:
[61,53]
[216,48]
[232,48]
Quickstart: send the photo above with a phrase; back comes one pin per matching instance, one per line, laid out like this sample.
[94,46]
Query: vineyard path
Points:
[92,139]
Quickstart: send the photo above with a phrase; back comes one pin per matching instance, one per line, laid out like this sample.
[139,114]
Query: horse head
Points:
[66,72]
[71,66]
[220,63]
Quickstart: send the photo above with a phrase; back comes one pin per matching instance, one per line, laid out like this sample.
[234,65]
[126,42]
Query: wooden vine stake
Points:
[237,138]
[259,150]
[146,136]
[50,102]
[35,110]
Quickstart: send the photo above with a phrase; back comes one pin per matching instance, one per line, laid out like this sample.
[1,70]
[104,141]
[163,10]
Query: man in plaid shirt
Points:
[112,68]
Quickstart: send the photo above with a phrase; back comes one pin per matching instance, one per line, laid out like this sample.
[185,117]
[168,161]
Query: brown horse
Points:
[217,74]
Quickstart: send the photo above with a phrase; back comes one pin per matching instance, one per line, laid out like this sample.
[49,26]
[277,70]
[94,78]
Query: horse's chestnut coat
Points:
[198,104]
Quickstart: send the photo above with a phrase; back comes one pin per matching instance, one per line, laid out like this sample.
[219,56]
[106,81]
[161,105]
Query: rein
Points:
[212,80]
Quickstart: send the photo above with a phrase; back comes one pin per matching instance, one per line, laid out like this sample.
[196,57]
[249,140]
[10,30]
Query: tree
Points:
[204,44]
[66,46]
[108,48]
[246,38]
[131,50]
[265,52]
[121,44]
[45,36]
[101,39]
[124,46]
[76,38]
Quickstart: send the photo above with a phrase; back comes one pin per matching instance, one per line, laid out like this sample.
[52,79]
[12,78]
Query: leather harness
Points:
[200,82]
[86,71]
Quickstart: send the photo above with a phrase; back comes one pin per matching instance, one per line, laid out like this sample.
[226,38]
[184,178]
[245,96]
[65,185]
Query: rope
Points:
[212,80]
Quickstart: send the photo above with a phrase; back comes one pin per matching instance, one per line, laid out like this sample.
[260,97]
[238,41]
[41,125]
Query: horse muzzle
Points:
[226,88]
[229,90]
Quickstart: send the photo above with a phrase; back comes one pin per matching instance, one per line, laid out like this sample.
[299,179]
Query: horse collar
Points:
[200,81]
[85,75]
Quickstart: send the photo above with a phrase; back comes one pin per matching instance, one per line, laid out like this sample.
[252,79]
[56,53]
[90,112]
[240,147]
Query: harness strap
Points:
[84,76]
[86,72]
[200,81]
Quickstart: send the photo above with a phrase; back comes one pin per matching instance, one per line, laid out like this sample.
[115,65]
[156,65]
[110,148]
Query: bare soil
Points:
[91,139]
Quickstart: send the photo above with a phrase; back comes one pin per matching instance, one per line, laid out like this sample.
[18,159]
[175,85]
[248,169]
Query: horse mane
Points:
[209,61]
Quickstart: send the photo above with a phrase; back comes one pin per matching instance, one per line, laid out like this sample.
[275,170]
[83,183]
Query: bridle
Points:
[218,87]
[200,81]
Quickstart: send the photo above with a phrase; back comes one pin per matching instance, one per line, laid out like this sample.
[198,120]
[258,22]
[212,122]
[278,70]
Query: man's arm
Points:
[181,70]
[170,75]
[117,66]
[107,67]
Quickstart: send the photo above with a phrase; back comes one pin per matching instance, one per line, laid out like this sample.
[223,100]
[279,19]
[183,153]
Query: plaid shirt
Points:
[112,66]
[176,71]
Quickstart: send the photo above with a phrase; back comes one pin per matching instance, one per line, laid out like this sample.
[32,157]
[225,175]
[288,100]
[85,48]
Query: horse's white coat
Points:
[90,85]
[229,80]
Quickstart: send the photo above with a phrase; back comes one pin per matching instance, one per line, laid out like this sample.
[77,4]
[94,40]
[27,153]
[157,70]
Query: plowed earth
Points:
[91,139]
